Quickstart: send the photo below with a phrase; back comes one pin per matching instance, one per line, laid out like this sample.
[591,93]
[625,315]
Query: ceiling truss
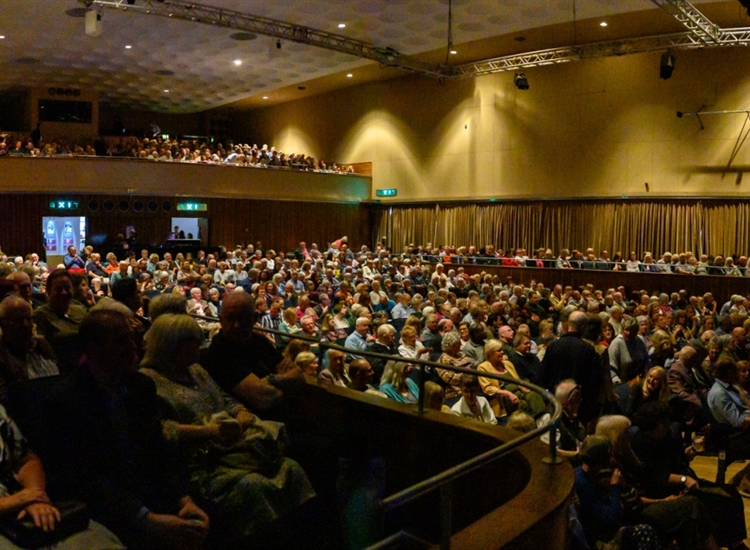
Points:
[702,33]
[693,20]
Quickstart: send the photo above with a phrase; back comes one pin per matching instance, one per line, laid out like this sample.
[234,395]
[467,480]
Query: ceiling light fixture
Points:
[166,91]
[128,47]
[342,25]
[349,75]
[2,37]
[238,62]
[265,97]
[451,49]
[603,24]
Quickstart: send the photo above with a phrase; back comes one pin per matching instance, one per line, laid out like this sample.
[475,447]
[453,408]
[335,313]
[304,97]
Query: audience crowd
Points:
[684,263]
[646,381]
[162,149]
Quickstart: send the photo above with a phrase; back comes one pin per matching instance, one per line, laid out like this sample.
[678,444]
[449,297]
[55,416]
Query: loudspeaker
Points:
[93,23]
[666,66]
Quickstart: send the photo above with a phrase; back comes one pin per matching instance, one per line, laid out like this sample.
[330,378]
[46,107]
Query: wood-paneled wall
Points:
[278,224]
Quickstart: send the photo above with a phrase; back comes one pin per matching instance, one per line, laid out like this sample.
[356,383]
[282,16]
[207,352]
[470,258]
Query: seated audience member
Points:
[246,364]
[665,471]
[729,410]
[385,344]
[682,386]
[601,506]
[743,381]
[527,365]
[522,422]
[246,484]
[474,348]
[335,373]
[288,325]
[58,320]
[25,289]
[396,384]
[434,397]
[106,447]
[471,404]
[23,489]
[361,373]
[73,261]
[22,355]
[81,292]
[571,431]
[308,362]
[527,401]
[357,340]
[166,303]
[410,347]
[653,387]
[452,355]
[628,356]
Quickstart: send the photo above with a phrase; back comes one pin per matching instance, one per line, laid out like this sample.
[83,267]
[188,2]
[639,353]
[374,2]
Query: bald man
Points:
[570,357]
[246,364]
[22,282]
[22,356]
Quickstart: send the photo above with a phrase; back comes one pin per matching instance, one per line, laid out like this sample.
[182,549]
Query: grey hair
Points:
[450,339]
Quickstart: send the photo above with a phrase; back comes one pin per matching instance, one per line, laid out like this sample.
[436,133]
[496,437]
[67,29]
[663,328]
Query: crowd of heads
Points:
[159,148]
[640,348]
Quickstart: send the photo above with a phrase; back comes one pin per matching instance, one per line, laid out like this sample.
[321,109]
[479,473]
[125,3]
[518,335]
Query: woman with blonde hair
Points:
[289,325]
[307,361]
[237,464]
[396,384]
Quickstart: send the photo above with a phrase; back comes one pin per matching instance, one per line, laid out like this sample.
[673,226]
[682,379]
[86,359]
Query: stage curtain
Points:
[715,227]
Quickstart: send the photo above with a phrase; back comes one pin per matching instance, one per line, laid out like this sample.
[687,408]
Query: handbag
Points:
[74,517]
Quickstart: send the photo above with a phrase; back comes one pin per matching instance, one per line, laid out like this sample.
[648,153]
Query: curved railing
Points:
[443,481]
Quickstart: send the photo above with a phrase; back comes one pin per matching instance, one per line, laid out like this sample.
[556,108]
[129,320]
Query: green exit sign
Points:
[192,206]
[64,205]
[386,192]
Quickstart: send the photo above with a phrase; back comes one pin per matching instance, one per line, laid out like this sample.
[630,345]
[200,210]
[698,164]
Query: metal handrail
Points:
[444,479]
[433,259]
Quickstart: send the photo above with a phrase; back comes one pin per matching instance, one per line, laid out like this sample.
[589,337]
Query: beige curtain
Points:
[711,227]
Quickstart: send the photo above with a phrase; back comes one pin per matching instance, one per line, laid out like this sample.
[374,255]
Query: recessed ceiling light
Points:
[166,91]
[603,24]
[128,47]
[342,25]
[265,97]
[453,52]
[238,62]
[349,75]
[2,37]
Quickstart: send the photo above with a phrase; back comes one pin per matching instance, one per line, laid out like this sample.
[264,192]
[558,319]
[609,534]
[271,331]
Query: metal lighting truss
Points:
[220,17]
[692,19]
[703,33]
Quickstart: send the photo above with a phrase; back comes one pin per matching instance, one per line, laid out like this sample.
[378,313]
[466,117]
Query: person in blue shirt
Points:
[73,260]
[357,340]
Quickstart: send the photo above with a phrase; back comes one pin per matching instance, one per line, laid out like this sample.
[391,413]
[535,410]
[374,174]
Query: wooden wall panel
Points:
[281,225]
[278,224]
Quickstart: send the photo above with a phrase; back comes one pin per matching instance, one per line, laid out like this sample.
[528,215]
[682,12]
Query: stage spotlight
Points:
[666,66]
[521,82]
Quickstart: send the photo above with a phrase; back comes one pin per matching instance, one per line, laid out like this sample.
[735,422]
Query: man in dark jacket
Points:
[571,357]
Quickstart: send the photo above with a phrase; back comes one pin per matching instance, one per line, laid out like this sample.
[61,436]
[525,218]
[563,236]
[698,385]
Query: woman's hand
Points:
[510,396]
[44,515]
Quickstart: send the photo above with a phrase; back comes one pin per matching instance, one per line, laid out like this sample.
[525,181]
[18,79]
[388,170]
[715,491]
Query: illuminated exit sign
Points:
[192,206]
[64,205]
[386,192]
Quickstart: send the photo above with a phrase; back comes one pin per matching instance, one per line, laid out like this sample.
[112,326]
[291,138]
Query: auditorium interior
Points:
[511,147]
